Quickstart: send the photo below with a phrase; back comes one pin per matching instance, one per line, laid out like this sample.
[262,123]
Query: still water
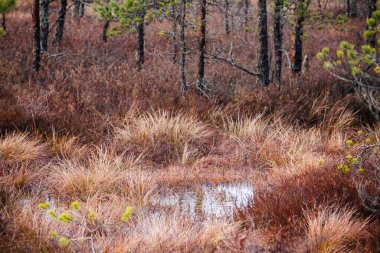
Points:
[208,201]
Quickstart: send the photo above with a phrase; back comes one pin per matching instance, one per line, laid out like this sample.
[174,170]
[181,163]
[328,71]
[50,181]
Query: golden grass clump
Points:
[66,146]
[338,119]
[162,232]
[334,229]
[101,173]
[19,147]
[276,145]
[162,137]
[145,232]
[247,128]
[296,150]
[21,177]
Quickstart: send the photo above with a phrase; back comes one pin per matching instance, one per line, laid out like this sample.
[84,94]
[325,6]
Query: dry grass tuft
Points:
[19,147]
[66,146]
[338,119]
[334,229]
[294,150]
[247,128]
[276,145]
[162,137]
[21,177]
[156,232]
[101,173]
[145,232]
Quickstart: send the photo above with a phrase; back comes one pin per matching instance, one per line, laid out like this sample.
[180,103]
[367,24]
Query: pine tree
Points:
[359,67]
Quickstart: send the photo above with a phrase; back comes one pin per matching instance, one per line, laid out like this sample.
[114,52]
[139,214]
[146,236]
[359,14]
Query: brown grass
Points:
[66,146]
[115,136]
[156,233]
[277,145]
[161,137]
[334,229]
[102,173]
[19,147]
[147,232]
[280,204]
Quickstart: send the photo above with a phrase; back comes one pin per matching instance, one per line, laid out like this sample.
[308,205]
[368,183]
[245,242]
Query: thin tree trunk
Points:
[354,8]
[4,23]
[45,25]
[232,17]
[174,37]
[298,41]
[183,43]
[140,41]
[105,31]
[246,10]
[61,21]
[226,20]
[201,48]
[76,10]
[36,37]
[106,26]
[263,48]
[82,10]
[348,11]
[277,36]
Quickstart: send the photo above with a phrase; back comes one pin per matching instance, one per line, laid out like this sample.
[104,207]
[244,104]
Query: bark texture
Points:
[184,50]
[105,27]
[61,20]
[298,40]
[263,48]
[45,25]
[277,37]
[36,35]
[202,47]
[141,40]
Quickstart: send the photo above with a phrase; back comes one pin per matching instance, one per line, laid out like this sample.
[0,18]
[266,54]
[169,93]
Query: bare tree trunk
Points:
[106,26]
[45,25]
[174,37]
[36,37]
[183,43]
[232,17]
[354,8]
[348,10]
[82,10]
[61,21]
[202,48]
[140,41]
[76,9]
[277,36]
[4,23]
[263,48]
[298,40]
[226,19]
[246,10]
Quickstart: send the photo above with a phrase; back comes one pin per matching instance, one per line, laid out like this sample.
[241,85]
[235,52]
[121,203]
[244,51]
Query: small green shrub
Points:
[87,220]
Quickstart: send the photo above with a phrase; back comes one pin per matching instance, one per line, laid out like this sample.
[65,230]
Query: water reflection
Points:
[209,201]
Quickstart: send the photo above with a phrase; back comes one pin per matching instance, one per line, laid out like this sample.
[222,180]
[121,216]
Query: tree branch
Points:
[233,64]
